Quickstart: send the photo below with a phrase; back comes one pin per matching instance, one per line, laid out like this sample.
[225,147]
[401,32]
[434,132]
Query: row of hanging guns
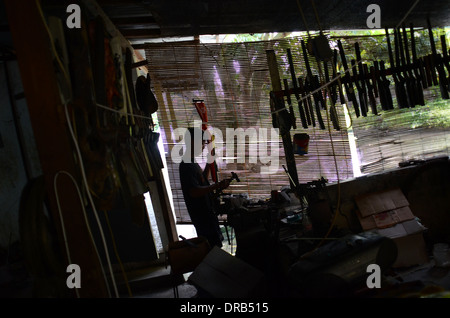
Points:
[411,75]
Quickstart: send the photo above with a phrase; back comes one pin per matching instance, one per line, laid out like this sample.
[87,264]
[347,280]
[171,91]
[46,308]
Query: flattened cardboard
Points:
[402,229]
[377,202]
[386,219]
[388,213]
[225,276]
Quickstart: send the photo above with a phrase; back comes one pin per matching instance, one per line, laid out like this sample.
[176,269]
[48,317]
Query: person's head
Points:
[195,140]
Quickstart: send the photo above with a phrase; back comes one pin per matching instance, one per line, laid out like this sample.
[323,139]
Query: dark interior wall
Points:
[426,187]
[19,162]
[18,154]
[127,242]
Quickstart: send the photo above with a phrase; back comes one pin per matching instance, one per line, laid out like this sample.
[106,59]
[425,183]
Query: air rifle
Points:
[333,97]
[443,83]
[359,80]
[348,84]
[313,84]
[446,57]
[296,90]
[288,99]
[399,88]
[407,80]
[309,112]
[417,62]
[415,80]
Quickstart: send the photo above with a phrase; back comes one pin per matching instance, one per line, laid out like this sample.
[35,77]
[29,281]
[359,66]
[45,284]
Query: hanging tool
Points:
[445,58]
[202,112]
[416,62]
[337,75]
[313,86]
[359,89]
[308,104]
[288,99]
[403,95]
[282,117]
[437,60]
[407,81]
[430,74]
[380,84]
[296,90]
[415,81]
[333,112]
[374,81]
[360,84]
[370,89]
[334,86]
[387,83]
[348,84]
[399,88]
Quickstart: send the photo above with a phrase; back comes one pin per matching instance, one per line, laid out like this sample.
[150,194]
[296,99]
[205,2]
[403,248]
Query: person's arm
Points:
[197,192]
[206,171]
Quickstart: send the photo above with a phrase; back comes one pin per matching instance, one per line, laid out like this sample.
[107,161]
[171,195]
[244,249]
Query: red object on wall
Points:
[201,109]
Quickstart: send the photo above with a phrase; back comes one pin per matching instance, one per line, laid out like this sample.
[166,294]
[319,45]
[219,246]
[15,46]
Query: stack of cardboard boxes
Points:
[388,213]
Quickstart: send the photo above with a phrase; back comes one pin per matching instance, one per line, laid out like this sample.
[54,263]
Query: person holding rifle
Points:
[198,192]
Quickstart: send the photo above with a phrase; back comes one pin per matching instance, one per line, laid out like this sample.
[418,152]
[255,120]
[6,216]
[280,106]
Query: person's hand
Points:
[224,184]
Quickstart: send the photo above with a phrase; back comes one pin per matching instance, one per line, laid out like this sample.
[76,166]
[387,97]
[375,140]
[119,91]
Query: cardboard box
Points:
[411,251]
[388,214]
[374,203]
[383,209]
[224,276]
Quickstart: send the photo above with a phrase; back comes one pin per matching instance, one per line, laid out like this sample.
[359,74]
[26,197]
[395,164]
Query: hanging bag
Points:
[144,96]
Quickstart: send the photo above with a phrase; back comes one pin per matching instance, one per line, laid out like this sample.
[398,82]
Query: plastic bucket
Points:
[301,143]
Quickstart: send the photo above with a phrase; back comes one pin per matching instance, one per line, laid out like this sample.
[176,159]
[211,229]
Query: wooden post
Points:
[53,141]
[284,131]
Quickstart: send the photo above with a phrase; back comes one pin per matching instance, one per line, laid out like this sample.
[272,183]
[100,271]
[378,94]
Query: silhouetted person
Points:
[197,190]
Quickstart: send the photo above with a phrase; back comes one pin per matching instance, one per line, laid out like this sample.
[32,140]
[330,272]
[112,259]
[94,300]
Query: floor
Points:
[426,280]
[155,282]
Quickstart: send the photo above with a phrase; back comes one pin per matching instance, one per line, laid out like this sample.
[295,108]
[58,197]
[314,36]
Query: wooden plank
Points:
[284,132]
[53,142]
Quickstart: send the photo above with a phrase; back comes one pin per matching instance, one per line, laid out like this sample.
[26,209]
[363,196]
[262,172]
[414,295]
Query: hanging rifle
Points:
[348,84]
[445,58]
[313,84]
[309,89]
[374,75]
[338,74]
[362,99]
[417,63]
[288,99]
[280,116]
[386,89]
[370,89]
[399,88]
[333,86]
[416,82]
[359,80]
[443,84]
[296,93]
[308,104]
[431,75]
[408,82]
[333,113]
[381,86]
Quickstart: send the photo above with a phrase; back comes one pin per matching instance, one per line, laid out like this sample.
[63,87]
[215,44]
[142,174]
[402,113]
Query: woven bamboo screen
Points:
[233,80]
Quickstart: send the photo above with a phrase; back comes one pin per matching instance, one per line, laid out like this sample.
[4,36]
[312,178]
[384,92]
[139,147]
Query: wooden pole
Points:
[284,131]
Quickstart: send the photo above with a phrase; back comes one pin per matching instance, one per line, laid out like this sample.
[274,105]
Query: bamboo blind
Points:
[233,80]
